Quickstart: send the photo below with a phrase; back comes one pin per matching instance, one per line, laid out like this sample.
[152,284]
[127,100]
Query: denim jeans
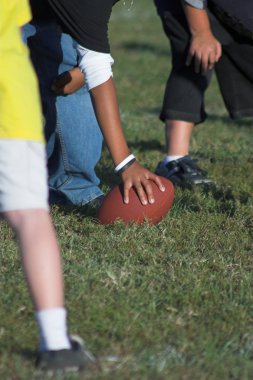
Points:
[74,139]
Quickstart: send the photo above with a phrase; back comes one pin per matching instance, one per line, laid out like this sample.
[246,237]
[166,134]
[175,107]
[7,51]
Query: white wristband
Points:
[123,163]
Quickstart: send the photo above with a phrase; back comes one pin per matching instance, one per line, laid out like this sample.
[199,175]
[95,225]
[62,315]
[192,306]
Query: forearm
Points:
[197,19]
[204,47]
[107,112]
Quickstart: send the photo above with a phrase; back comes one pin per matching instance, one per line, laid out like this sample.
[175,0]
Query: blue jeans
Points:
[74,139]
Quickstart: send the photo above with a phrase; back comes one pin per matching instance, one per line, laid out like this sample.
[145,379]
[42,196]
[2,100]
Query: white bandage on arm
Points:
[97,67]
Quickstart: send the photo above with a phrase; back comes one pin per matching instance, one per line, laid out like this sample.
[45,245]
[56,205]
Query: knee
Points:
[15,218]
[27,220]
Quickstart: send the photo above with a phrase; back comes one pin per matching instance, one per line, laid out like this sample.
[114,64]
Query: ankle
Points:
[169,158]
[53,329]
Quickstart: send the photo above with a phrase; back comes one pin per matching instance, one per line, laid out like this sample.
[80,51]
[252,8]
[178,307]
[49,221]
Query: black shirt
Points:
[41,10]
[86,21]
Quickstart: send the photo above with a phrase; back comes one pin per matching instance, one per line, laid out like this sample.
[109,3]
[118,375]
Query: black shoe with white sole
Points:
[183,172]
[74,359]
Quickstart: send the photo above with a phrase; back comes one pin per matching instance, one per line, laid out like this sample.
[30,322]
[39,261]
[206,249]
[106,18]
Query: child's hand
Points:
[138,177]
[68,82]
[205,50]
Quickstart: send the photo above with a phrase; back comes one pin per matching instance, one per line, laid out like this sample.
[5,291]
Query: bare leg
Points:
[181,170]
[177,136]
[40,256]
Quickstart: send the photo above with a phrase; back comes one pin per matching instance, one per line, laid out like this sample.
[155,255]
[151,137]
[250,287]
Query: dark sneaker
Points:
[183,172]
[72,360]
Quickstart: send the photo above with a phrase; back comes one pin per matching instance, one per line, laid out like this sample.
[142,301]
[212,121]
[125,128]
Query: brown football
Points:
[113,206]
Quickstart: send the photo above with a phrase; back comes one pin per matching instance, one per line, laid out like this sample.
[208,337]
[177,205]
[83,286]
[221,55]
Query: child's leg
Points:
[177,137]
[23,203]
[40,256]
[184,91]
[42,266]
[235,76]
[183,104]
[24,193]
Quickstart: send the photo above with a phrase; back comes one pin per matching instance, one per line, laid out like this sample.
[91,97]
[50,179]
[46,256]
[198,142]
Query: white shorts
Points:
[23,175]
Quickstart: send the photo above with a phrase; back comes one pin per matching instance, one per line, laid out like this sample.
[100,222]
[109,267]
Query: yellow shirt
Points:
[20,113]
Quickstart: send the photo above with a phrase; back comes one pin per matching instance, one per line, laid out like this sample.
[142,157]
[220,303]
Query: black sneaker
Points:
[72,360]
[183,172]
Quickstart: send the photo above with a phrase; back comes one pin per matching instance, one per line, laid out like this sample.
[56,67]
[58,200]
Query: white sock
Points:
[171,158]
[53,329]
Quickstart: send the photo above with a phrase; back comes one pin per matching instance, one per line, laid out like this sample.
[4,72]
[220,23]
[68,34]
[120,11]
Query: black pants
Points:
[184,93]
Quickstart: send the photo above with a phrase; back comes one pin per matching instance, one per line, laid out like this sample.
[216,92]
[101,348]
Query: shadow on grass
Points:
[29,355]
[145,47]
[242,123]
[143,145]
[226,201]
[82,212]
[151,111]
[107,176]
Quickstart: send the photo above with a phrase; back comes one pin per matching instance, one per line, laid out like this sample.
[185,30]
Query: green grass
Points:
[172,301]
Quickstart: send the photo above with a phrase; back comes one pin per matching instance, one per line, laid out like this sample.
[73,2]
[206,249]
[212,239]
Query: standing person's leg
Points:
[23,203]
[74,140]
[177,137]
[183,104]
[23,199]
[235,77]
[40,255]
[234,70]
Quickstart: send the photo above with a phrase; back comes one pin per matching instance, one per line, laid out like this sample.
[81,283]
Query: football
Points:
[113,206]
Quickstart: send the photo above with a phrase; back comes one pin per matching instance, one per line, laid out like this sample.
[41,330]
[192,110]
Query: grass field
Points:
[167,302]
